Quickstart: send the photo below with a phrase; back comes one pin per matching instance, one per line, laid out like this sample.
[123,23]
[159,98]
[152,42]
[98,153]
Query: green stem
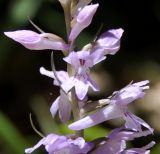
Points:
[67,16]
[34,128]
[74,3]
[74,99]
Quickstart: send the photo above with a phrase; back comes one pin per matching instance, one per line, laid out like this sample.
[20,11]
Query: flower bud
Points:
[35,41]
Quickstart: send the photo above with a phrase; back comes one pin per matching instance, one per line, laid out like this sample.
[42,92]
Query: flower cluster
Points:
[75,83]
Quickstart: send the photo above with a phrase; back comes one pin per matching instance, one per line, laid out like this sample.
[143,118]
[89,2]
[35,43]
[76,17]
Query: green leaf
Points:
[65,130]
[11,136]
[95,132]
[89,133]
[156,149]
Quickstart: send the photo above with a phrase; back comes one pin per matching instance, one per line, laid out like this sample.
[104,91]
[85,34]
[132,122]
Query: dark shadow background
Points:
[138,58]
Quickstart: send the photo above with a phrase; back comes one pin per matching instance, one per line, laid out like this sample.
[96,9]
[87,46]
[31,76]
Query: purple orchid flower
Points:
[118,109]
[62,144]
[62,103]
[116,141]
[109,41]
[82,61]
[82,20]
[35,41]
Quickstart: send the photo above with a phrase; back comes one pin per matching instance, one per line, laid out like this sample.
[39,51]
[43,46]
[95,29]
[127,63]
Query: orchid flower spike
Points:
[35,41]
[118,109]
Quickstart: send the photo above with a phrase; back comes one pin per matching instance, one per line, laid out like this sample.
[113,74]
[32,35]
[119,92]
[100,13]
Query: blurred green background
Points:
[24,90]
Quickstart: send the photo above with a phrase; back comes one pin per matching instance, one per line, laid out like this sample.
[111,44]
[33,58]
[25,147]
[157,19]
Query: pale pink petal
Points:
[110,41]
[93,84]
[83,20]
[121,133]
[86,14]
[136,151]
[68,85]
[72,59]
[35,41]
[111,147]
[45,72]
[136,123]
[80,142]
[54,107]
[130,93]
[81,89]
[107,113]
[64,107]
[98,55]
[81,4]
[142,84]
[75,31]
[62,75]
[30,150]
